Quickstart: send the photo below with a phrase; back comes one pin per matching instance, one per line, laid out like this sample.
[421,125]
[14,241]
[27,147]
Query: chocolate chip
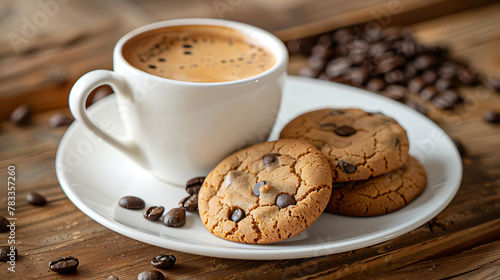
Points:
[4,224]
[163,261]
[193,185]
[60,119]
[150,275]
[237,215]
[337,67]
[396,92]
[36,199]
[21,115]
[375,84]
[338,185]
[271,159]
[396,142]
[256,188]
[153,213]
[189,203]
[6,254]
[64,265]
[345,130]
[428,93]
[416,84]
[176,217]
[491,116]
[461,149]
[283,200]
[347,167]
[131,202]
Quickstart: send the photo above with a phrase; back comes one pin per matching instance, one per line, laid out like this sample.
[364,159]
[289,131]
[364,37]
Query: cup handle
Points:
[78,98]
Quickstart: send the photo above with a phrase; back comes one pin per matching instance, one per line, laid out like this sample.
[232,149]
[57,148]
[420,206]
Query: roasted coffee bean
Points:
[112,277]
[176,217]
[430,76]
[428,93]
[337,67]
[150,275]
[308,72]
[460,148]
[237,215]
[60,119]
[153,213]
[344,35]
[4,224]
[388,64]
[99,93]
[347,167]
[356,76]
[324,51]
[410,71]
[448,70]
[300,46]
[416,84]
[6,254]
[64,265]
[375,84]
[394,76]
[357,57]
[446,100]
[338,185]
[467,77]
[189,203]
[193,185]
[491,116]
[408,48]
[392,33]
[36,199]
[444,84]
[256,187]
[283,200]
[21,115]
[424,61]
[419,107]
[325,39]
[316,63]
[345,130]
[494,84]
[163,261]
[396,92]
[131,202]
[379,48]
[271,159]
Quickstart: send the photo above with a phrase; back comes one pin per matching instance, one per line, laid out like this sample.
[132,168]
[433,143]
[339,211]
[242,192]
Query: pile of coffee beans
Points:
[389,60]
[175,217]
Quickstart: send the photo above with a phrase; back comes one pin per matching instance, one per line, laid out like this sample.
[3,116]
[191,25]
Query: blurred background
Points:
[47,44]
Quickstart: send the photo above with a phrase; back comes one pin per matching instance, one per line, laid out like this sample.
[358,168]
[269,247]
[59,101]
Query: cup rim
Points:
[280,52]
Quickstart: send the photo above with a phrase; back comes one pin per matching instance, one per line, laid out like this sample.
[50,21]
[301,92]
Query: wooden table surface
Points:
[462,242]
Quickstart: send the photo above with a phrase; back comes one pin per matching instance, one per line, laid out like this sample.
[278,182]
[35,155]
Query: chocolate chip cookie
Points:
[358,145]
[266,193]
[380,195]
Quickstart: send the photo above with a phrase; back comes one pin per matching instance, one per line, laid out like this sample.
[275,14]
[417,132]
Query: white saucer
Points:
[94,176]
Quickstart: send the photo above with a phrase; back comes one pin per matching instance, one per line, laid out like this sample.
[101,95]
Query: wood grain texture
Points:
[459,243]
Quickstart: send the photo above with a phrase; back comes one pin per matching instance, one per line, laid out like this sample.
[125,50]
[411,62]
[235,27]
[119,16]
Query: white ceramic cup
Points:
[176,129]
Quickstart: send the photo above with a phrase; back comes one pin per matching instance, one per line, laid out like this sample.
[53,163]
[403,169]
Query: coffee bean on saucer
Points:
[375,84]
[64,265]
[153,213]
[21,115]
[494,84]
[163,261]
[237,215]
[189,203]
[4,224]
[60,119]
[396,92]
[5,252]
[428,93]
[460,148]
[112,277]
[131,202]
[36,199]
[283,200]
[193,185]
[492,117]
[150,275]
[416,84]
[176,217]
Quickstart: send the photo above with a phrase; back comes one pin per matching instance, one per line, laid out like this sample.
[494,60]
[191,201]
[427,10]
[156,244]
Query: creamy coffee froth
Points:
[198,53]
